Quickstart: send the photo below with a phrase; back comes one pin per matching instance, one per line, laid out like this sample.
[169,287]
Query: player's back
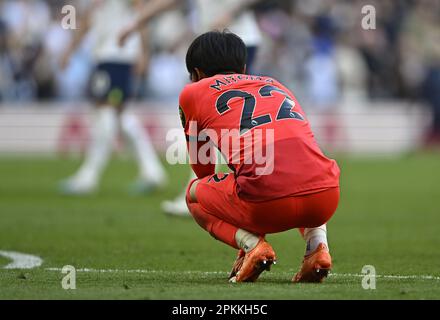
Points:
[264,134]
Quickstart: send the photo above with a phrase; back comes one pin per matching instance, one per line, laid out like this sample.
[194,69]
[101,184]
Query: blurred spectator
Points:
[26,21]
[286,45]
[379,48]
[420,47]
[6,79]
[71,82]
[317,47]
[320,66]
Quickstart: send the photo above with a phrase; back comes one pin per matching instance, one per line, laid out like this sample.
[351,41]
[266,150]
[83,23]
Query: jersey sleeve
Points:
[188,116]
[190,123]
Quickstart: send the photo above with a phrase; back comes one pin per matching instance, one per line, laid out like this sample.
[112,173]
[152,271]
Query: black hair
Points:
[217,52]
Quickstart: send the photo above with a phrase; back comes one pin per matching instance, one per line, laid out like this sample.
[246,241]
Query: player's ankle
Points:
[246,240]
[314,237]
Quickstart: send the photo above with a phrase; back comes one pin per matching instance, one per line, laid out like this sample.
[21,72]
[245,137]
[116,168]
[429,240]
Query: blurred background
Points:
[367,91]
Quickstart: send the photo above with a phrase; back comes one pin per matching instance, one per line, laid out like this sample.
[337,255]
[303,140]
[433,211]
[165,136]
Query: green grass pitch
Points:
[389,217]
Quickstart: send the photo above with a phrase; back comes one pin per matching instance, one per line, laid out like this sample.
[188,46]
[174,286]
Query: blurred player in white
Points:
[207,15]
[110,87]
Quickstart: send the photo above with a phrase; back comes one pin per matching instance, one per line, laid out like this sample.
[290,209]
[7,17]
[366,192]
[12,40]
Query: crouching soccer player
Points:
[298,187]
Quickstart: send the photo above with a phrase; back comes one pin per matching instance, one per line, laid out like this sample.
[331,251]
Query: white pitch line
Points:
[139,271]
[146,271]
[388,276]
[21,260]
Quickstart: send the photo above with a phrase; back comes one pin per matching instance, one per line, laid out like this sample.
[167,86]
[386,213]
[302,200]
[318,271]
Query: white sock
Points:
[150,167]
[246,240]
[100,146]
[315,236]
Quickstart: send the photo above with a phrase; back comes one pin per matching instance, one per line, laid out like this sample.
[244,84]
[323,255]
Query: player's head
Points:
[216,52]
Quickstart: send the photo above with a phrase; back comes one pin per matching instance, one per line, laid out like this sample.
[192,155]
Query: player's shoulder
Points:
[193,87]
[187,93]
[194,91]
[276,83]
[271,80]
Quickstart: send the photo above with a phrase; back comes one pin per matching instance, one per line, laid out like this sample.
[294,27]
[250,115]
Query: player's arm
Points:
[150,10]
[200,169]
[194,143]
[144,55]
[84,23]
[233,12]
[194,140]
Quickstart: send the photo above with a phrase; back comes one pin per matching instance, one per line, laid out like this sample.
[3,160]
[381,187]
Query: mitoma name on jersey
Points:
[229,79]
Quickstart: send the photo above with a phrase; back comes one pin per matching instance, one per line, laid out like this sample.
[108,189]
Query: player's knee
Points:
[191,191]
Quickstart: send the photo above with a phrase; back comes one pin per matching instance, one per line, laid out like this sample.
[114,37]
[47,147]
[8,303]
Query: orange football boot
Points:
[237,264]
[249,266]
[315,266]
